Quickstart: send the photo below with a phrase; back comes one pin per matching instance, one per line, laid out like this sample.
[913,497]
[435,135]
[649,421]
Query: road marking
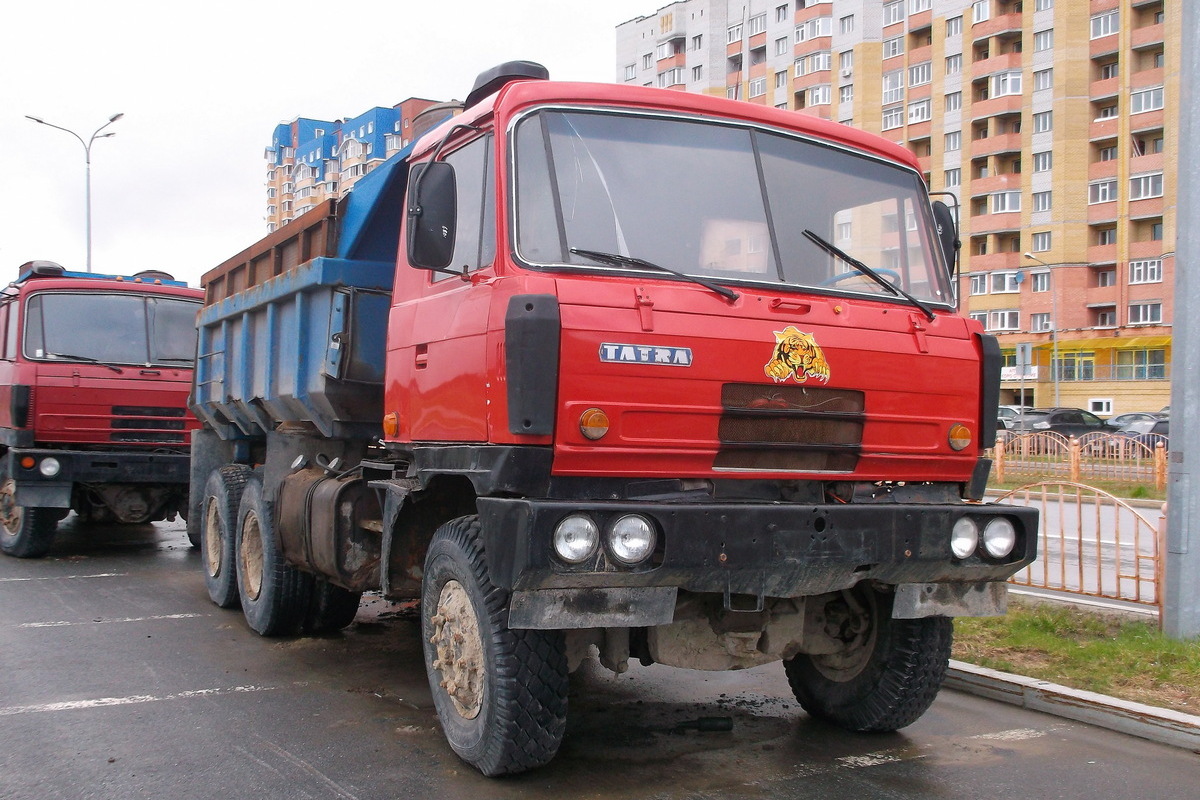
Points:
[102,621]
[67,577]
[108,702]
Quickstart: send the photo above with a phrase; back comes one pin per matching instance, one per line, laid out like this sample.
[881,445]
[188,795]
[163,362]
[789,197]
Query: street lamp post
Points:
[87,160]
[1054,368]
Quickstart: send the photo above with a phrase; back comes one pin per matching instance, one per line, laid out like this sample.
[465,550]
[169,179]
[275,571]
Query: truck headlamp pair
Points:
[629,539]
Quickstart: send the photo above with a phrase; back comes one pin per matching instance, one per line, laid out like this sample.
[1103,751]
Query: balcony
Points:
[998,63]
[1103,128]
[670,62]
[1105,88]
[1151,162]
[1149,36]
[1146,121]
[816,78]
[1099,213]
[1104,45]
[997,106]
[993,145]
[1102,254]
[996,223]
[1143,250]
[1004,23]
[993,261]
[996,183]
[1146,78]
[1102,169]
[1150,207]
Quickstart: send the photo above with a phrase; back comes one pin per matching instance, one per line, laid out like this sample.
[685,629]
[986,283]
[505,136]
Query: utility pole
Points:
[1181,590]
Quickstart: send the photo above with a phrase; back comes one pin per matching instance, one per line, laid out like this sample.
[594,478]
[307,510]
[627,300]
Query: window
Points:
[1005,282]
[781,13]
[846,93]
[819,96]
[664,50]
[893,12]
[1111,70]
[846,60]
[1007,320]
[953,141]
[892,118]
[1105,278]
[919,111]
[1105,317]
[1106,236]
[980,317]
[979,284]
[1006,83]
[1043,121]
[1102,192]
[758,87]
[648,61]
[1146,100]
[844,231]
[1143,186]
[1145,313]
[1039,323]
[952,178]
[1040,282]
[1042,201]
[782,46]
[846,24]
[920,74]
[630,72]
[917,6]
[698,41]
[1043,5]
[698,73]
[734,34]
[1043,79]
[1107,153]
[893,47]
[1147,271]
[758,24]
[954,26]
[820,61]
[1107,112]
[954,64]
[1134,365]
[781,79]
[734,92]
[981,10]
[1005,202]
[954,101]
[1105,24]
[672,77]
[1043,40]
[893,86]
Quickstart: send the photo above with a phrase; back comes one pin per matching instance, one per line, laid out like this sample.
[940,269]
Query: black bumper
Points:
[762,549]
[35,488]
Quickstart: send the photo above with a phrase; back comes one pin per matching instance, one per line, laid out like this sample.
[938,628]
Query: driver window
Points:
[475,237]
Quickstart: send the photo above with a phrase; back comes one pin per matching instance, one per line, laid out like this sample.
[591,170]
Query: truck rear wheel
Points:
[218,534]
[500,694]
[25,532]
[332,607]
[274,594]
[889,673]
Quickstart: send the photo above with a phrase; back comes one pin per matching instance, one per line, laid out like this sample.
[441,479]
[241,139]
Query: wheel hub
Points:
[10,512]
[212,538]
[855,625]
[251,554]
[459,649]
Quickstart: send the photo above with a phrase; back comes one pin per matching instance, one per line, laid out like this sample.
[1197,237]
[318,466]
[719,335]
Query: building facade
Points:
[1054,123]
[310,161]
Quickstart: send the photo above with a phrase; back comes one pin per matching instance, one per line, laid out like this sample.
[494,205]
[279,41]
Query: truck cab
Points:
[94,376]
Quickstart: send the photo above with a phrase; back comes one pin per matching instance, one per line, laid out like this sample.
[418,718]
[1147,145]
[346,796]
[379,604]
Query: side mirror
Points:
[432,210]
[947,230]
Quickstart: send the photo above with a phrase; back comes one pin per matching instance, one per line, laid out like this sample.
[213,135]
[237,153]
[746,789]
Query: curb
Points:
[1133,719]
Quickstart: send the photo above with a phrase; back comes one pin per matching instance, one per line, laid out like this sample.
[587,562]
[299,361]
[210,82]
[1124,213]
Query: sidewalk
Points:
[1133,719]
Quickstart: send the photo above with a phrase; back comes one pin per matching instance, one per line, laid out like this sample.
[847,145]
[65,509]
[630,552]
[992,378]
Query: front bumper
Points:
[756,549]
[36,489]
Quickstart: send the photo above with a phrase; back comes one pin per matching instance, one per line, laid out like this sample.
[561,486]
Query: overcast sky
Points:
[202,86]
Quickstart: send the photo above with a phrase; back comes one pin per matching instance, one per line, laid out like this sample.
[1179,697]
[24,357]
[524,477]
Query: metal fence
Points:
[1094,543]
[1094,456]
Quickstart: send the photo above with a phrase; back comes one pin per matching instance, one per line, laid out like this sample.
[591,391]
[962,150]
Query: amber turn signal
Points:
[391,424]
[593,423]
[960,437]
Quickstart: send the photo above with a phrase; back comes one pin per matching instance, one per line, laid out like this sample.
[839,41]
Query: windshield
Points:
[727,202]
[116,328]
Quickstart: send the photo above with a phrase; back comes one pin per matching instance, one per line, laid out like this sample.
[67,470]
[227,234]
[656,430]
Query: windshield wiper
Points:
[85,359]
[618,260]
[837,252]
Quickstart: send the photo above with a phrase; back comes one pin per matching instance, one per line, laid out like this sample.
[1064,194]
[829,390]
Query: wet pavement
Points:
[121,680]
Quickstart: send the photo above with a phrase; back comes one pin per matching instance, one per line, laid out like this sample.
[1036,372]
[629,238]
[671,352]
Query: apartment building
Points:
[310,160]
[1053,122]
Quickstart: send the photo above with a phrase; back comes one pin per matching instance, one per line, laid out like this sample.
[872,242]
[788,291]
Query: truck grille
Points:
[148,425]
[792,428]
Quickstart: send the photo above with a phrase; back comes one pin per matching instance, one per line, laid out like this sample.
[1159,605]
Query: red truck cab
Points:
[94,377]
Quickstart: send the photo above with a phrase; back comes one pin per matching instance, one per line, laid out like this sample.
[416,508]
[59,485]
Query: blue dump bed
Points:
[294,328]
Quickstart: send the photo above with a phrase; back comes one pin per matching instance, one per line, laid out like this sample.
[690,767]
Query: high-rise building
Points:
[1053,122]
[310,161]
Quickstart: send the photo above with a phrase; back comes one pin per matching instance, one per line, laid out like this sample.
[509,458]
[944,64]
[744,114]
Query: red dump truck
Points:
[94,378]
[607,370]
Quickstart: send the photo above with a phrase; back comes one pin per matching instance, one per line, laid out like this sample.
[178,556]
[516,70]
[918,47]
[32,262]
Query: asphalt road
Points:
[118,679]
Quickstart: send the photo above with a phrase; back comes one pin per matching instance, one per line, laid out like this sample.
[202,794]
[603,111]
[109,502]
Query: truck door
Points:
[437,360]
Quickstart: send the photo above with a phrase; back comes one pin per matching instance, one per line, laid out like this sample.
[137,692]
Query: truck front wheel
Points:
[887,675]
[500,694]
[25,532]
[275,595]
[218,535]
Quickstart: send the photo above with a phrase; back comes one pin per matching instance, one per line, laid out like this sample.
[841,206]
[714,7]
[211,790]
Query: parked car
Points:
[1007,415]
[1148,431]
[1067,421]
[1123,420]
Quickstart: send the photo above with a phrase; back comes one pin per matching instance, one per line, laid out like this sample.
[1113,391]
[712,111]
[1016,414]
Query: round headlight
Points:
[999,537]
[49,467]
[964,538]
[593,423]
[576,538]
[960,437]
[631,539]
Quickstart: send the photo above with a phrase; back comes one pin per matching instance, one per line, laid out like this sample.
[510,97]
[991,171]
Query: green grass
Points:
[1124,489]
[1114,655]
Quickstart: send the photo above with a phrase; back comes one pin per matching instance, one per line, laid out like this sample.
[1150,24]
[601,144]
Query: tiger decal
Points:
[798,356]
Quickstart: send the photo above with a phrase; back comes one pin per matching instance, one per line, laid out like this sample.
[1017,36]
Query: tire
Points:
[25,532]
[500,694]
[331,608]
[274,594]
[218,532]
[887,677]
